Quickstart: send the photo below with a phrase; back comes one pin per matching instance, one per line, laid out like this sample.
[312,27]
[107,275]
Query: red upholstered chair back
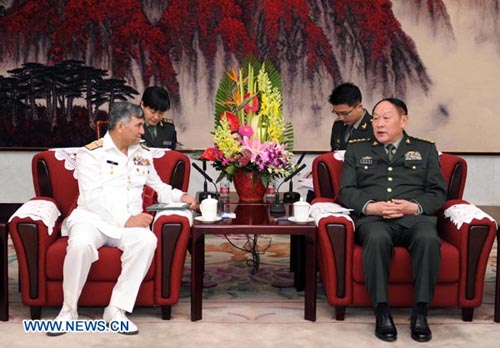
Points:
[52,179]
[101,128]
[327,171]
[454,170]
[174,168]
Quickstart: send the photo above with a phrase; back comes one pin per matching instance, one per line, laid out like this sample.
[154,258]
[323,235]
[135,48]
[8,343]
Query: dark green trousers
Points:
[379,238]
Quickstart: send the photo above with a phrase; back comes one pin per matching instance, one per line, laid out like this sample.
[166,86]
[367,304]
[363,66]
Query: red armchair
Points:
[464,250]
[41,255]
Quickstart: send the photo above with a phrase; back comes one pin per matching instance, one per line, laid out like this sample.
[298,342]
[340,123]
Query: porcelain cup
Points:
[301,210]
[208,208]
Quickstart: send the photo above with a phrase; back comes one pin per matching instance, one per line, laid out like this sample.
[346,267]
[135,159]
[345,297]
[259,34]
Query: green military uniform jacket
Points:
[364,130]
[166,136]
[413,174]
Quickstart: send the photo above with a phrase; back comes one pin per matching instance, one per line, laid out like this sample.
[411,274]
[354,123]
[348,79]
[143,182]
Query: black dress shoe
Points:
[385,328]
[420,331]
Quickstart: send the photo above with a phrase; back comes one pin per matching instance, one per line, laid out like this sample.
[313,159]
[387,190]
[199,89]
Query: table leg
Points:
[197,262]
[497,281]
[4,277]
[300,256]
[310,270]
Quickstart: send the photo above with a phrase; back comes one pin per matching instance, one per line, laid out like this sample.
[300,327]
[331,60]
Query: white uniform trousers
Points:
[138,246]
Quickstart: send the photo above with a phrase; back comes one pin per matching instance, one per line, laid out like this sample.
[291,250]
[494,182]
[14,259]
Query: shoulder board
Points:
[360,140]
[422,139]
[94,145]
[168,120]
[145,147]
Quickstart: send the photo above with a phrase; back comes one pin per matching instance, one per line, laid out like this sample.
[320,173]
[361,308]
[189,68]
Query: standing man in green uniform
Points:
[352,120]
[158,131]
[395,186]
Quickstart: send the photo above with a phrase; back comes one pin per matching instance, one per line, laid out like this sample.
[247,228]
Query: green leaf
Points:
[288,136]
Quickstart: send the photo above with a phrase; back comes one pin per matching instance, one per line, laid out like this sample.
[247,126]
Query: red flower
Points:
[232,119]
[252,105]
[211,154]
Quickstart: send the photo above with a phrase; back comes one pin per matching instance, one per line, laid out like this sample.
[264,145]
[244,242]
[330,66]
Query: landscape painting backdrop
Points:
[64,62]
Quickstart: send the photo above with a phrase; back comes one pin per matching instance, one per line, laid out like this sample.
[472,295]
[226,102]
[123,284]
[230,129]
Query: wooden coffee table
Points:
[254,219]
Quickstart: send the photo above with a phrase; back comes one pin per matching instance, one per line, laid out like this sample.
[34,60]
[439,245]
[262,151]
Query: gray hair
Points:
[123,112]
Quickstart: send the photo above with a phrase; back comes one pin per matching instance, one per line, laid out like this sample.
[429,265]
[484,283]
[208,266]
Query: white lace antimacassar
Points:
[39,210]
[465,213]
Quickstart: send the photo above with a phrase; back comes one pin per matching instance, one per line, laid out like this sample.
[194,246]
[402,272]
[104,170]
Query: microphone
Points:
[205,193]
[291,196]
[277,207]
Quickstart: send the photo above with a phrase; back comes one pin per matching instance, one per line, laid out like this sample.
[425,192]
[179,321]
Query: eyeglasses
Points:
[344,113]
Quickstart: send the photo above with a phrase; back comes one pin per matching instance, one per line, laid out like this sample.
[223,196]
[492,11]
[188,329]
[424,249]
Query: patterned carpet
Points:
[234,293]
[245,311]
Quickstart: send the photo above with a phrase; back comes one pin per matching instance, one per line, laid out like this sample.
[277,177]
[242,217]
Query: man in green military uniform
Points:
[158,131]
[395,186]
[352,120]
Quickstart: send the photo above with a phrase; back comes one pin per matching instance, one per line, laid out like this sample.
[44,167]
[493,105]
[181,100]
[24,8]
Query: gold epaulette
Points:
[94,145]
[360,140]
[422,139]
[145,147]
[167,120]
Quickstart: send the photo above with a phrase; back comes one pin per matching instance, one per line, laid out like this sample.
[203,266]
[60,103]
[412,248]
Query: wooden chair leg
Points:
[339,312]
[467,313]
[166,312]
[36,312]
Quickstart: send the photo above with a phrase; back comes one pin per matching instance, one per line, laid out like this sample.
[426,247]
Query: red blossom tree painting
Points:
[118,47]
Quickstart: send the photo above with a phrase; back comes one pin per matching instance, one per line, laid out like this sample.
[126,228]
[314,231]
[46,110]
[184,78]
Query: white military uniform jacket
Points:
[111,185]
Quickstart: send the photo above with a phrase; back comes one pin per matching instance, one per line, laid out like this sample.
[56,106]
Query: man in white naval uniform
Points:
[111,173]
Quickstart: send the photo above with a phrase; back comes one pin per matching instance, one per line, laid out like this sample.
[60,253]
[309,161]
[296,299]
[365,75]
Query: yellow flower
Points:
[225,141]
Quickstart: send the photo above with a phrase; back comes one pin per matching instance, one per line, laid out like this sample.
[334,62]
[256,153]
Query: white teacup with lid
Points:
[208,208]
[301,210]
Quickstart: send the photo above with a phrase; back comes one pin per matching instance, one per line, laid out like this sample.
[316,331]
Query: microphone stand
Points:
[279,208]
[205,183]
[205,193]
[291,196]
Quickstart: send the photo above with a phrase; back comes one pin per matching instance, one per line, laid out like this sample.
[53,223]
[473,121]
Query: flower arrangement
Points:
[250,133]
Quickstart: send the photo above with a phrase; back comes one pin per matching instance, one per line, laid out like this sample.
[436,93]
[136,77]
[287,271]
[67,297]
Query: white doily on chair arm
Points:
[157,152]
[181,212]
[339,155]
[322,210]
[465,213]
[39,210]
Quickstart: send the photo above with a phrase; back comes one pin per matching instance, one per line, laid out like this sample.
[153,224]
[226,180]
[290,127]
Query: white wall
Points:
[16,186]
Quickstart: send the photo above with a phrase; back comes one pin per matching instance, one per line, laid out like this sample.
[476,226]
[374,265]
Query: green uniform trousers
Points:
[379,238]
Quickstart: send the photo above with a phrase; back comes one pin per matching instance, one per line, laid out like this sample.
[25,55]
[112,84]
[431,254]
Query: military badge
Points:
[141,161]
[413,156]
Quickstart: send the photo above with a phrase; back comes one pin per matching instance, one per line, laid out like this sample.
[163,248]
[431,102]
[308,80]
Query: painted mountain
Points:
[122,46]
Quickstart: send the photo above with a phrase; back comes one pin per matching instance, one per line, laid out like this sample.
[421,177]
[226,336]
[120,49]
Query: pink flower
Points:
[252,145]
[246,131]
[245,157]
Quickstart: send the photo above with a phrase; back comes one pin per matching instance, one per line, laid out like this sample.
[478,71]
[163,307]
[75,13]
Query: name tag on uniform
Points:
[413,156]
[366,160]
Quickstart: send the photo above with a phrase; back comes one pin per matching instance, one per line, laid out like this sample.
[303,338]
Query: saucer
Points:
[201,219]
[292,219]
